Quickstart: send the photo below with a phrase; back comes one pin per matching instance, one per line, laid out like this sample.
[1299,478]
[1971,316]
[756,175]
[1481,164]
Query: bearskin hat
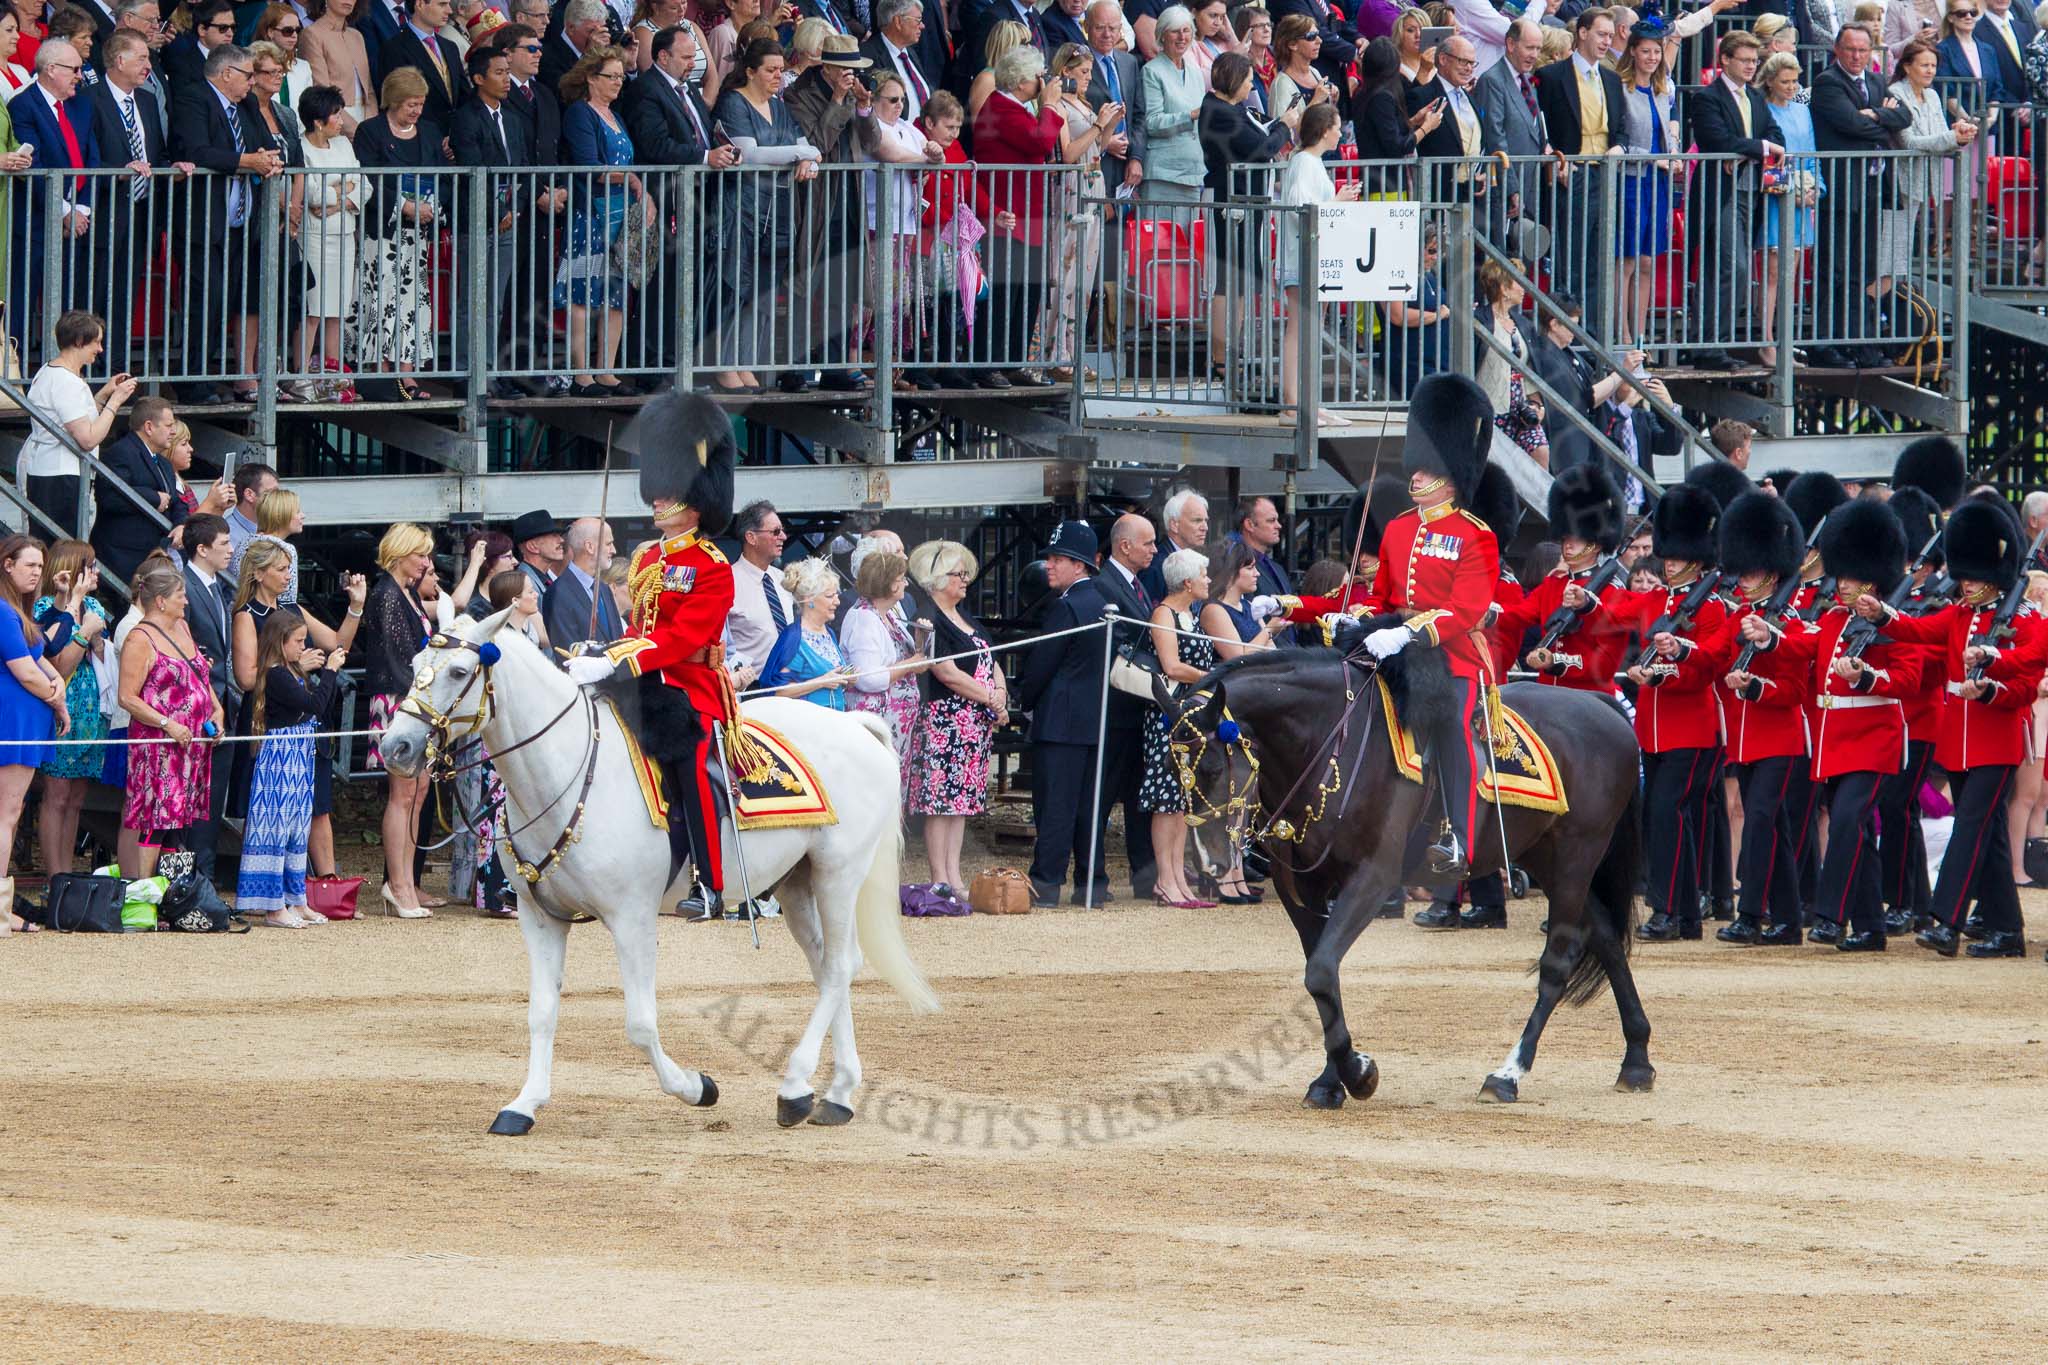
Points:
[1984,543]
[1934,466]
[1722,479]
[1862,540]
[1920,518]
[1450,429]
[1812,496]
[1499,504]
[687,453]
[1389,496]
[1682,524]
[1584,503]
[1759,534]
[1780,479]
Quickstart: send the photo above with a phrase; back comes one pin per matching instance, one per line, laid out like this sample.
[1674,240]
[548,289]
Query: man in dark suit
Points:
[104,22]
[842,15]
[184,60]
[582,26]
[379,21]
[1585,110]
[1064,22]
[2006,29]
[1729,116]
[128,131]
[1131,543]
[894,46]
[215,129]
[209,611]
[53,116]
[485,133]
[531,98]
[1459,137]
[1341,40]
[420,46]
[970,59]
[1506,96]
[1117,80]
[1186,518]
[566,606]
[670,126]
[1061,684]
[122,533]
[142,17]
[1851,113]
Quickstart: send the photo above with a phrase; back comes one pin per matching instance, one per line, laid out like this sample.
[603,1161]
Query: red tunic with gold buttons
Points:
[1440,564]
[1595,644]
[1774,725]
[1679,712]
[1858,731]
[682,591]
[1990,730]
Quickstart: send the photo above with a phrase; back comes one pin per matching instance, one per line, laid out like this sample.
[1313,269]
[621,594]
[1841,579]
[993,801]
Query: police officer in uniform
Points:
[1862,732]
[1438,568]
[1061,683]
[1764,723]
[682,591]
[1983,722]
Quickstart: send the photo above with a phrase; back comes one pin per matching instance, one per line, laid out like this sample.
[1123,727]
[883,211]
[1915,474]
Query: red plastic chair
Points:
[2010,184]
[1165,270]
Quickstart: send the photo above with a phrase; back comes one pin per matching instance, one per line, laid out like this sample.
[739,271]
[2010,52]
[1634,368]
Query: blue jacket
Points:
[1951,70]
[35,121]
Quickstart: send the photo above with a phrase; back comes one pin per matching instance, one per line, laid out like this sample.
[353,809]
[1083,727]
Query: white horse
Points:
[570,790]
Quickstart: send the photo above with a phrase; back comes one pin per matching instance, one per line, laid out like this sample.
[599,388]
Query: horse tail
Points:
[1611,900]
[878,905]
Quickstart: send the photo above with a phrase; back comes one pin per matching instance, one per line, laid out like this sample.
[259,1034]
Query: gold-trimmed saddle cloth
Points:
[1528,773]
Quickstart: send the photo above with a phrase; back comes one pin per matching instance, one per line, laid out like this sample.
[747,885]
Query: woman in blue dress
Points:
[1650,130]
[74,627]
[590,280]
[1227,616]
[32,708]
[806,660]
[1800,184]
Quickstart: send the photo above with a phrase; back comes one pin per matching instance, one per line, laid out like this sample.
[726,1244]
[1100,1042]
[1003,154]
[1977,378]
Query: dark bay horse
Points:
[1258,736]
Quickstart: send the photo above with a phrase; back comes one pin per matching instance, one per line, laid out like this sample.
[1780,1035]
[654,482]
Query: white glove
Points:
[586,669]
[1265,606]
[1385,644]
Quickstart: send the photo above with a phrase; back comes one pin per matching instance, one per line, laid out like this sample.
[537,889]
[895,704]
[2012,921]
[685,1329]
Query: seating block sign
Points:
[1369,252]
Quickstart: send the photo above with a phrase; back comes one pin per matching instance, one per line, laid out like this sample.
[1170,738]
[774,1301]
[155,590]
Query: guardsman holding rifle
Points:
[1764,719]
[1678,725]
[1862,732]
[1991,687]
[1585,517]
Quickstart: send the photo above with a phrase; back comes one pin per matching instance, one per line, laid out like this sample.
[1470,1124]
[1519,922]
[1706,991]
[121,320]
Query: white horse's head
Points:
[448,696]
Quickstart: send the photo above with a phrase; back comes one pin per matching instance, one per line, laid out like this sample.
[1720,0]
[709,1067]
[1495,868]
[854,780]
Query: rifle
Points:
[1563,619]
[1823,589]
[1859,635]
[1772,609]
[2008,607]
[1936,594]
[1679,621]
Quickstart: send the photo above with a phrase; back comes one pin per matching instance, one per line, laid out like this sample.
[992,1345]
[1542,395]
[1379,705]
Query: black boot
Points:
[1865,941]
[2000,943]
[1975,929]
[1898,921]
[1824,931]
[1940,938]
[1447,859]
[1659,928]
[1484,917]
[1780,936]
[706,907]
[1744,931]
[1438,915]
[1724,910]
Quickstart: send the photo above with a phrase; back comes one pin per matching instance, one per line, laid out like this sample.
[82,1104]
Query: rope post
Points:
[1109,620]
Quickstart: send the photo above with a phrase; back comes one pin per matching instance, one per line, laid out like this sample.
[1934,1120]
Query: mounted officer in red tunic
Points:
[1439,566]
[682,591]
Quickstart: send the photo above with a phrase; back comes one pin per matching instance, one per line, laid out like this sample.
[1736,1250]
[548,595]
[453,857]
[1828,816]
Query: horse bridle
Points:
[443,735]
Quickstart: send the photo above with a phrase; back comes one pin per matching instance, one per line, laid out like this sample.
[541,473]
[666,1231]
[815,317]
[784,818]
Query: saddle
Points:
[778,789]
[1528,773]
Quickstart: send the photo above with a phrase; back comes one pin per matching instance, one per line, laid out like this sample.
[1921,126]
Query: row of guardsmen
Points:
[1832,655]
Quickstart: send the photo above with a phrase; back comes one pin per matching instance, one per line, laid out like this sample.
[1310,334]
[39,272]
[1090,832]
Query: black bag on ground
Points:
[191,906]
[81,904]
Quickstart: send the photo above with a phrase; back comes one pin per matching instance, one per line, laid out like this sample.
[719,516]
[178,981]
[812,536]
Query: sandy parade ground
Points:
[272,1148]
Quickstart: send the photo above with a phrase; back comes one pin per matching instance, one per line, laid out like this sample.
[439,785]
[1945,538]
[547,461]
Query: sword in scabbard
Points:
[732,808]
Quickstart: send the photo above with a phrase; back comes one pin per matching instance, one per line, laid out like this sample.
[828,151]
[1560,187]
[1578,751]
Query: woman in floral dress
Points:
[1186,655]
[880,649]
[949,774]
[167,691]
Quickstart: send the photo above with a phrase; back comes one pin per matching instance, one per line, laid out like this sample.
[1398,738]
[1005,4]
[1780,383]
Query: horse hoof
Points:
[1324,1095]
[511,1123]
[1367,1080]
[1636,1082]
[710,1095]
[789,1113]
[832,1115]
[1499,1090]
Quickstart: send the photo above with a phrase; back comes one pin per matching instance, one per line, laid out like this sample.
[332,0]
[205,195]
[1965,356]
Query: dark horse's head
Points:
[1251,742]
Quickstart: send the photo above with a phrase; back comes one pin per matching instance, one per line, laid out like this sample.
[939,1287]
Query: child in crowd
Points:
[294,686]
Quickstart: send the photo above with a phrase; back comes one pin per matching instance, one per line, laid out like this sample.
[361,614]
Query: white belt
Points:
[1831,702]
[1955,689]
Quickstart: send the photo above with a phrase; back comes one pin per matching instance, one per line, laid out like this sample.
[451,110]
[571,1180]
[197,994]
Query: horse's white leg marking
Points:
[1512,1069]
[547,948]
[633,933]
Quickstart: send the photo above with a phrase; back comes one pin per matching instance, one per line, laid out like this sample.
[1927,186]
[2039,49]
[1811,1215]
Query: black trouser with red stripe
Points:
[1849,888]
[1901,849]
[1979,858]
[1770,867]
[1804,804]
[1675,785]
[1457,767]
[688,787]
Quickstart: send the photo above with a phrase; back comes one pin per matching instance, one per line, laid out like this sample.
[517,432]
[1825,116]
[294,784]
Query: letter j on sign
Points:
[1369,252]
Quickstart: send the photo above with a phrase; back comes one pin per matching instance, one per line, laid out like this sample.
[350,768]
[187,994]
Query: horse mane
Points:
[1418,679]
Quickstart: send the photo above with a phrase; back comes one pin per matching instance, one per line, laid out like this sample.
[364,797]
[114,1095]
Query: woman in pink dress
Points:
[167,692]
[880,649]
